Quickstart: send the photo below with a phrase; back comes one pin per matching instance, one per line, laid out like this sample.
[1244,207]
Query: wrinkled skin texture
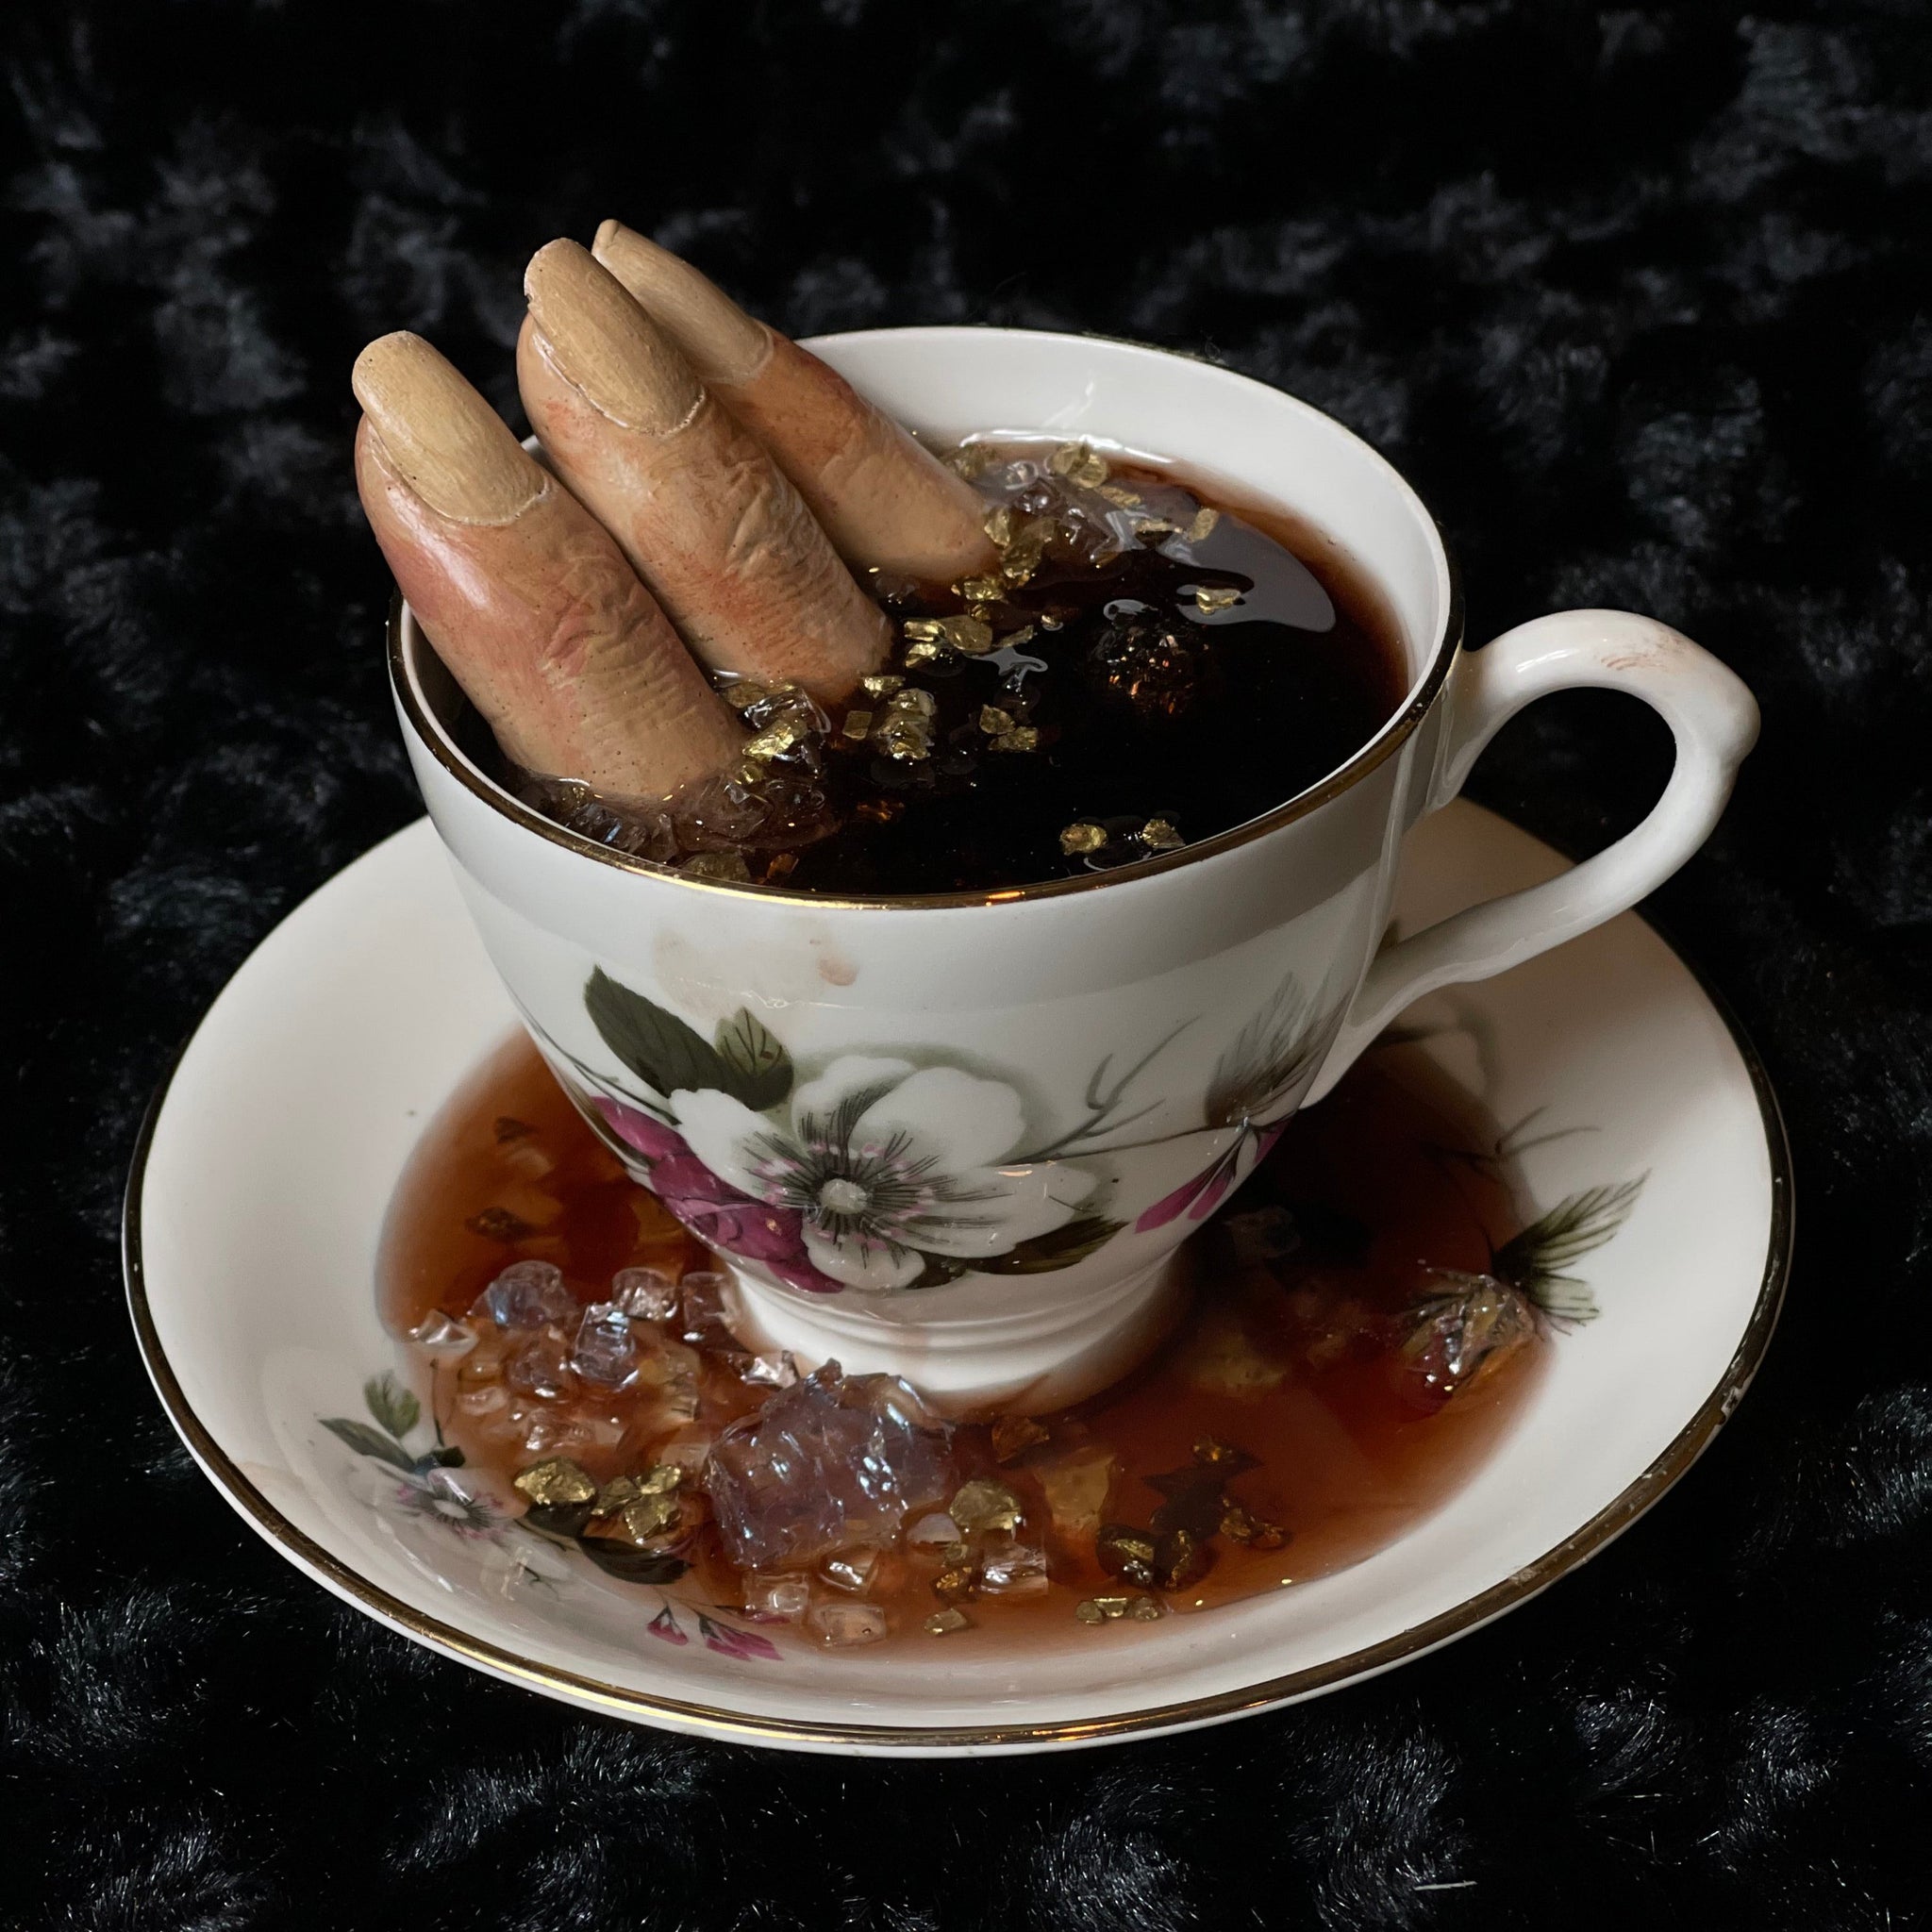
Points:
[882,510]
[1637,297]
[724,543]
[558,644]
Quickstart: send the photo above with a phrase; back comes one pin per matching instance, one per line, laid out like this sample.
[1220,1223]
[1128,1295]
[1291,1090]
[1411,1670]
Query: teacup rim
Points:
[422,722]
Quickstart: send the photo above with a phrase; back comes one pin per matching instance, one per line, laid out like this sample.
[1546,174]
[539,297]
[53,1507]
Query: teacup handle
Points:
[1711,713]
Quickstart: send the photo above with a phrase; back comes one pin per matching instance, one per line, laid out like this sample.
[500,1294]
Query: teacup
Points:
[962,1138]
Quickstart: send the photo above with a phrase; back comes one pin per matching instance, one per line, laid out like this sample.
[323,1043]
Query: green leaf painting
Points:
[758,1058]
[1537,1260]
[1062,1248]
[657,1046]
[365,1441]
[391,1405]
[666,1054]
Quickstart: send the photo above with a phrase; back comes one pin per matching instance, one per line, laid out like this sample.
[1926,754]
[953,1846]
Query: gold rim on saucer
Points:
[1576,1548]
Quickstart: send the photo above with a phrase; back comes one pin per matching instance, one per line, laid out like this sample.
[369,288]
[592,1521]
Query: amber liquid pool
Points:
[1307,1347]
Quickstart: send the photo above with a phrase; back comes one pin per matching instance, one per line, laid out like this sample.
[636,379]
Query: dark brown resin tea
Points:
[1349,1358]
[1144,670]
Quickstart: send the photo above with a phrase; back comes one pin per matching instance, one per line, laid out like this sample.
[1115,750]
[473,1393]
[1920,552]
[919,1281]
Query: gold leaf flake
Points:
[1120,494]
[1020,737]
[922,630]
[903,735]
[1159,835]
[1082,836]
[1126,1552]
[775,740]
[558,1479]
[980,590]
[1014,638]
[857,727]
[1079,464]
[1205,520]
[972,635]
[650,1517]
[995,722]
[616,1494]
[998,524]
[1240,1525]
[942,1623]
[926,651]
[880,684]
[955,1582]
[1023,555]
[1208,598]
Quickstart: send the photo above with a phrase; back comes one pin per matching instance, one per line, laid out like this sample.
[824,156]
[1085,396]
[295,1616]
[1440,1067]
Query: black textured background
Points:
[1639,298]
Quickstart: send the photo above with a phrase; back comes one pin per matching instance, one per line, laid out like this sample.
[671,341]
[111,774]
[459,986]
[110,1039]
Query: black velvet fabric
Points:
[1637,295]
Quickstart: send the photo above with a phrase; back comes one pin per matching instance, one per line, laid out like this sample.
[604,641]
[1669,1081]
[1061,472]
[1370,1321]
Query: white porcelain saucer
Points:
[267,1162]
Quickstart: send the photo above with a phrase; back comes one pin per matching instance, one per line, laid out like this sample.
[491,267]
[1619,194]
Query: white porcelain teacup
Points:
[961,1139]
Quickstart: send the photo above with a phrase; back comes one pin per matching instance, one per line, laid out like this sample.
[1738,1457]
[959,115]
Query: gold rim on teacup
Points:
[407,637]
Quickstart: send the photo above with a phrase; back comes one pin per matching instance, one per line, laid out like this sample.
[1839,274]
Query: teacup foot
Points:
[1027,1362]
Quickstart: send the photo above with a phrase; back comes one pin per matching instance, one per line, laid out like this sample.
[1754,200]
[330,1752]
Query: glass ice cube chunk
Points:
[440,1336]
[701,1307]
[771,1371]
[1012,1569]
[605,1351]
[527,1294]
[778,1599]
[839,1624]
[850,1570]
[830,1463]
[541,1368]
[645,1294]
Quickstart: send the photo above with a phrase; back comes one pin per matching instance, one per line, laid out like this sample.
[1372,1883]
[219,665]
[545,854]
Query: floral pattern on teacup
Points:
[888,1166]
[883,1172]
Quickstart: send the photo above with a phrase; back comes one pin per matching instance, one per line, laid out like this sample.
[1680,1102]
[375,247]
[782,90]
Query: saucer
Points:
[267,1162]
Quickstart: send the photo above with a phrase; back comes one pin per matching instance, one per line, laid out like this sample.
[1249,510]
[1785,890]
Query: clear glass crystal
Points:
[829,1464]
[701,1307]
[645,1294]
[605,1353]
[850,1570]
[527,1294]
[770,1370]
[1012,1569]
[839,1624]
[441,1336]
[541,1368]
[778,1599]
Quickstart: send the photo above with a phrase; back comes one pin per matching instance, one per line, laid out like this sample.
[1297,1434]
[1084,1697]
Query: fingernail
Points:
[440,436]
[604,345]
[719,340]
